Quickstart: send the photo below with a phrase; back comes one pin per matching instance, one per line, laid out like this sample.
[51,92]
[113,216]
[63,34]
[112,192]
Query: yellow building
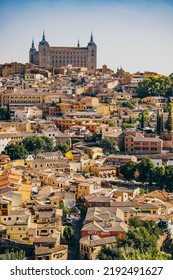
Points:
[63,107]
[5,206]
[59,252]
[103,109]
[158,101]
[93,152]
[86,187]
[91,246]
[25,190]
[17,229]
[12,68]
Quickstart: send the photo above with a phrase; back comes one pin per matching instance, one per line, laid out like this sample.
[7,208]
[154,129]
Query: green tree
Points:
[146,169]
[159,175]
[113,124]
[128,104]
[168,123]
[63,148]
[160,86]
[15,151]
[109,145]
[94,137]
[144,118]
[48,144]
[8,113]
[168,178]
[159,127]
[134,222]
[34,144]
[65,210]
[110,252]
[128,170]
[5,113]
[14,255]
[140,243]
[68,232]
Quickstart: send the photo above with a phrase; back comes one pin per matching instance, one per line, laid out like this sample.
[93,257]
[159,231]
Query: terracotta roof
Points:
[42,250]
[95,240]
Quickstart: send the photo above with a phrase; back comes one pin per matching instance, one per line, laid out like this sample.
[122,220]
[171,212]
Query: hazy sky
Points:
[136,35]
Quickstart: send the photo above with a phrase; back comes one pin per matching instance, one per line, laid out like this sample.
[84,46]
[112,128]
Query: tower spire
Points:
[43,37]
[78,44]
[91,38]
[32,46]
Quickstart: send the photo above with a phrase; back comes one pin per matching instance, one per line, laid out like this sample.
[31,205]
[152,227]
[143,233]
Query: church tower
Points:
[32,52]
[44,56]
[92,54]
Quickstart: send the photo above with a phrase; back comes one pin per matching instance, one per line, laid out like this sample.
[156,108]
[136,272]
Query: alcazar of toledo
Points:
[48,56]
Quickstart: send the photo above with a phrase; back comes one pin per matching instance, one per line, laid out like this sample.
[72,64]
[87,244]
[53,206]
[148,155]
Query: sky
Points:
[133,34]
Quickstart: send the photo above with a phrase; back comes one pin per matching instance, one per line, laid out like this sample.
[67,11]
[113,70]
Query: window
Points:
[59,256]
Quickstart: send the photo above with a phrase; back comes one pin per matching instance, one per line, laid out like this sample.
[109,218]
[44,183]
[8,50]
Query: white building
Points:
[137,79]
[28,113]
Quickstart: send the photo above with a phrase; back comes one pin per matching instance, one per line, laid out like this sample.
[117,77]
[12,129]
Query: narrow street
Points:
[73,251]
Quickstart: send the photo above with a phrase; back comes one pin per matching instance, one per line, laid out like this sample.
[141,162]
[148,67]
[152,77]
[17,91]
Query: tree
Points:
[17,255]
[160,86]
[65,210]
[168,124]
[110,252]
[128,170]
[134,222]
[68,232]
[146,169]
[94,137]
[109,145]
[5,113]
[168,178]
[8,113]
[159,127]
[48,144]
[63,148]
[159,175]
[144,118]
[139,243]
[113,124]
[15,151]
[34,144]
[128,104]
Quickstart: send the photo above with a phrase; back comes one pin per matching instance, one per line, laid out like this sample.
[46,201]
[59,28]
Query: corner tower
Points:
[92,54]
[44,56]
[32,52]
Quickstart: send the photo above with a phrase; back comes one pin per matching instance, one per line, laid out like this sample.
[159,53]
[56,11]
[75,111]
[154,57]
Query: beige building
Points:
[90,246]
[48,56]
[59,252]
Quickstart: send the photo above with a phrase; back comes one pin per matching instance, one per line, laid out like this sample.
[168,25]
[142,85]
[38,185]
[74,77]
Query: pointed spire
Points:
[32,43]
[32,49]
[43,37]
[78,44]
[91,38]
[91,42]
[43,41]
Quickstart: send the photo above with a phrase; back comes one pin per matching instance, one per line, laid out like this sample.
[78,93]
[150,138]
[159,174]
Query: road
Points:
[73,250]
